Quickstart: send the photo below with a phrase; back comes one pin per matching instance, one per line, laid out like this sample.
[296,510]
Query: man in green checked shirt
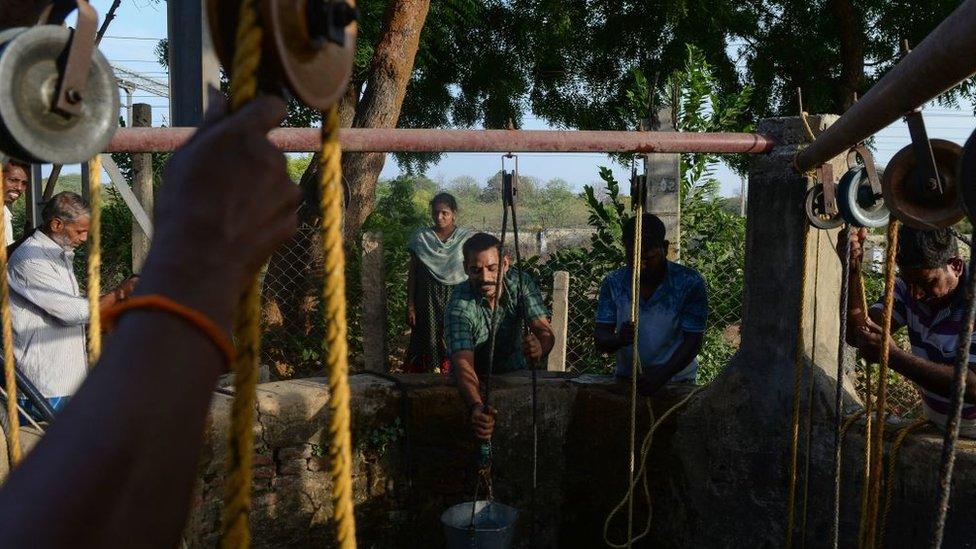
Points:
[467,321]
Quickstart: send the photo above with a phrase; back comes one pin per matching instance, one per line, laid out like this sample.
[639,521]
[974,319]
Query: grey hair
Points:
[66,206]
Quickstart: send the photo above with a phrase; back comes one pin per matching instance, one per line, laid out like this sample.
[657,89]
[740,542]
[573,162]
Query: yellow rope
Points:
[798,367]
[892,467]
[235,531]
[94,259]
[10,381]
[641,476]
[336,349]
[878,434]
[635,364]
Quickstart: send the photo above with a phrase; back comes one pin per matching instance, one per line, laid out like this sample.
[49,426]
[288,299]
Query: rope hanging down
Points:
[839,385]
[892,469]
[955,407]
[877,444]
[799,361]
[638,473]
[336,346]
[235,532]
[94,259]
[10,378]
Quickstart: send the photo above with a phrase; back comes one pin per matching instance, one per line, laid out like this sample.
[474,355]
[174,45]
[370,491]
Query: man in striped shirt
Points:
[48,311]
[930,302]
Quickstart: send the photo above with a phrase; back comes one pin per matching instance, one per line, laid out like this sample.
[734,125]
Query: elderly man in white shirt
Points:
[15,180]
[48,311]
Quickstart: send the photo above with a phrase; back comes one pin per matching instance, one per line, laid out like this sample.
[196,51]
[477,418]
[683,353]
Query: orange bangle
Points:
[200,321]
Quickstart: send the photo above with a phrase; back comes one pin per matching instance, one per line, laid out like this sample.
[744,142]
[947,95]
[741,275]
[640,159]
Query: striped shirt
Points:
[49,316]
[933,334]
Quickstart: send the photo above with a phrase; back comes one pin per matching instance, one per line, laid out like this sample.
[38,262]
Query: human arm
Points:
[933,376]
[411,282]
[540,339]
[652,381]
[857,313]
[150,394]
[482,417]
[36,281]
[606,336]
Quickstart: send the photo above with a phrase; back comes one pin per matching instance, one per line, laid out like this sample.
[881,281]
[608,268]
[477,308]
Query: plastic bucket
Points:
[493,527]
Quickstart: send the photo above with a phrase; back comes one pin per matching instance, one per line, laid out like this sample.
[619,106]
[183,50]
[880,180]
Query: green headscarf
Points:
[445,260]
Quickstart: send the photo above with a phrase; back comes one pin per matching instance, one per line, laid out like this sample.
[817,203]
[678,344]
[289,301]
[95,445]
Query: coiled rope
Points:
[641,475]
[235,531]
[955,406]
[94,259]
[10,378]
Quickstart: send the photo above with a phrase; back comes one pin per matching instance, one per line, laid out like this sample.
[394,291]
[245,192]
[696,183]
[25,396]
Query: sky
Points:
[131,40]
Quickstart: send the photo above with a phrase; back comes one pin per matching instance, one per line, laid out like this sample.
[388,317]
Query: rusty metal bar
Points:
[940,62]
[500,141]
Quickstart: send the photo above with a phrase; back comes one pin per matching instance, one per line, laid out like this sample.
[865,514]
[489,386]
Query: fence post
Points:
[374,303]
[560,320]
[142,187]
[663,177]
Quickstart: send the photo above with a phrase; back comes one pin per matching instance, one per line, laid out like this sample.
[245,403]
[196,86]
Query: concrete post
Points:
[775,227]
[374,303]
[142,187]
[663,186]
[560,321]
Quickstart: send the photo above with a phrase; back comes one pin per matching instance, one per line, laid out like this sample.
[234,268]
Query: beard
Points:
[64,241]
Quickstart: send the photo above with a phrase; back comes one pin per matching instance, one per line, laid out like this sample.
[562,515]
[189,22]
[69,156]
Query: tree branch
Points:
[109,16]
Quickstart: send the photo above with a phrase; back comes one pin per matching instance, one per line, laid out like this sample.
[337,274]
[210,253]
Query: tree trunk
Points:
[851,35]
[380,105]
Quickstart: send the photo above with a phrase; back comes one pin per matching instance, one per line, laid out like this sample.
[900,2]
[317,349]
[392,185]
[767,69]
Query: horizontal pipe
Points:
[941,61]
[500,141]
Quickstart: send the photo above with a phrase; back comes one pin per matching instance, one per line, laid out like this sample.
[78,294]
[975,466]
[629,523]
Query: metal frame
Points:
[436,140]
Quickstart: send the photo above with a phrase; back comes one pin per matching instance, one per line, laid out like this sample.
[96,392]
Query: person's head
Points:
[929,263]
[65,219]
[654,245]
[443,210]
[484,261]
[16,177]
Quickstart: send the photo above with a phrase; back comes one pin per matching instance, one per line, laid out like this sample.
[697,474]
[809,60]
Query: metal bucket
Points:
[493,528]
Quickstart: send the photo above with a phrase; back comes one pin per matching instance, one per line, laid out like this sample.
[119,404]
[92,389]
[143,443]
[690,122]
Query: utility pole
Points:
[192,62]
[664,184]
[142,187]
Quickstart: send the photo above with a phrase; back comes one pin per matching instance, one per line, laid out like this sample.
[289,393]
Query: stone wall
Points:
[712,485]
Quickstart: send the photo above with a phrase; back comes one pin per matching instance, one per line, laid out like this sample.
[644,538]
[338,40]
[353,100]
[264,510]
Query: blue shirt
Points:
[678,305]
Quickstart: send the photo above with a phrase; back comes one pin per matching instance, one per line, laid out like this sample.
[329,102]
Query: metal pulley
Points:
[860,203]
[59,100]
[918,197]
[967,178]
[310,43]
[818,213]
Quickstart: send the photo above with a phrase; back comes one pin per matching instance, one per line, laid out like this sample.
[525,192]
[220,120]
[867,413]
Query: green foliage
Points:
[399,212]
[379,440]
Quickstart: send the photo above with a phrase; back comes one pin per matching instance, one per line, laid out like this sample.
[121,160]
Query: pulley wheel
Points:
[967,178]
[315,70]
[29,127]
[914,199]
[857,202]
[817,211]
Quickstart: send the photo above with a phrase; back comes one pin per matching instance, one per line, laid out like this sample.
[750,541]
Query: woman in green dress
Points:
[436,265]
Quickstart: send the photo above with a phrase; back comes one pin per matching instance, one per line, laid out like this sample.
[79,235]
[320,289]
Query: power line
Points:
[133,38]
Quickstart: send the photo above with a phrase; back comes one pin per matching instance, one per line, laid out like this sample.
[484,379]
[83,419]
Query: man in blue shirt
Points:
[673,309]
